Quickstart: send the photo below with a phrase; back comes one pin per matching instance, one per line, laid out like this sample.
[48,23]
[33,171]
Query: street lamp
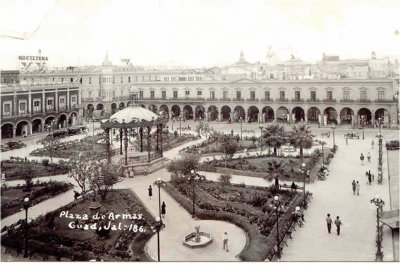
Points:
[305,173]
[333,132]
[26,206]
[241,122]
[159,183]
[379,206]
[193,176]
[362,126]
[278,210]
[380,123]
[157,226]
[323,159]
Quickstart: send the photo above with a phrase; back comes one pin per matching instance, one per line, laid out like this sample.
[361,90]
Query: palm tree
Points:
[302,137]
[275,169]
[273,136]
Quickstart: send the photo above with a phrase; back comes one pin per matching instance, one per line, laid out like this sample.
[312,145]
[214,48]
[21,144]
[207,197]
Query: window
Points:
[164,94]
[90,94]
[152,94]
[297,95]
[271,76]
[212,94]
[381,95]
[267,95]
[329,95]
[252,95]
[238,95]
[175,94]
[122,79]
[129,79]
[225,94]
[363,95]
[62,100]
[282,95]
[166,78]
[61,103]
[49,105]
[313,95]
[199,93]
[22,107]
[140,94]
[90,80]
[6,109]
[187,93]
[346,95]
[113,94]
[73,99]
[72,80]
[36,105]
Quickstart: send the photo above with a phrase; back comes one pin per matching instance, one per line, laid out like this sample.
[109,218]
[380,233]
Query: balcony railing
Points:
[267,100]
[313,100]
[297,100]
[282,100]
[384,100]
[252,99]
[364,100]
[329,100]
[238,99]
[225,99]
[346,100]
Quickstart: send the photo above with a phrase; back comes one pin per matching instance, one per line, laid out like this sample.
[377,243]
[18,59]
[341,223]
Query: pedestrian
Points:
[362,159]
[369,157]
[163,211]
[353,184]
[150,191]
[329,222]
[358,188]
[372,144]
[225,242]
[369,177]
[293,187]
[338,223]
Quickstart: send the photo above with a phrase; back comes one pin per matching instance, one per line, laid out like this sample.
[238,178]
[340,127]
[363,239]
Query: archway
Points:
[176,111]
[199,112]
[61,122]
[331,115]
[238,112]
[100,106]
[36,126]
[72,119]
[89,109]
[188,112]
[213,113]
[153,108]
[129,103]
[383,114]
[164,111]
[313,115]
[121,105]
[6,131]
[113,108]
[22,128]
[226,113]
[364,116]
[298,114]
[267,114]
[282,114]
[346,116]
[252,114]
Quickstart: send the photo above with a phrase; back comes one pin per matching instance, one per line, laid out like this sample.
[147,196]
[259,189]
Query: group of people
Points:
[362,158]
[337,222]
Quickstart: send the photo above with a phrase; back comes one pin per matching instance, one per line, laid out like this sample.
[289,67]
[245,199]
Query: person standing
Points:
[353,184]
[369,157]
[150,191]
[362,159]
[163,210]
[329,222]
[358,188]
[225,242]
[369,177]
[338,223]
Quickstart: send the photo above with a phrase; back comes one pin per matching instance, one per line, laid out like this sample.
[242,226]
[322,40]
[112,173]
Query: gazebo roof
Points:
[133,116]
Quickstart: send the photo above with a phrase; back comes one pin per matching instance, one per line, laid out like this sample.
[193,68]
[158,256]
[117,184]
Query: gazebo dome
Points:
[134,113]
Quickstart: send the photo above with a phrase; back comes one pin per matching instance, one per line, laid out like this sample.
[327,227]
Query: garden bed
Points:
[52,235]
[40,169]
[213,147]
[12,197]
[248,207]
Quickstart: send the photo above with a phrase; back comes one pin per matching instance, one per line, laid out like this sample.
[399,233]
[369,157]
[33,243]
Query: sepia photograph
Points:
[200,130]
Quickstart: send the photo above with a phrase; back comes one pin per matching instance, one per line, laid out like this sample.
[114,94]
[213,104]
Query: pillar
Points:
[126,145]
[141,138]
[14,131]
[149,143]
[120,141]
[67,100]
[107,131]
[56,99]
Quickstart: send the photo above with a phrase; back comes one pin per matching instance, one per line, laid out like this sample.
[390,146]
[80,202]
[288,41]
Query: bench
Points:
[286,186]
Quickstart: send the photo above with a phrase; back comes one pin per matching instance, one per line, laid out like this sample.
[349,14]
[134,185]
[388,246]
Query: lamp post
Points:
[194,176]
[26,205]
[323,159]
[379,206]
[159,183]
[305,174]
[380,123]
[157,226]
[333,127]
[241,122]
[277,204]
[362,126]
[261,143]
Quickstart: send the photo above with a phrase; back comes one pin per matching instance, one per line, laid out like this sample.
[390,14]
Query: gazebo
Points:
[142,121]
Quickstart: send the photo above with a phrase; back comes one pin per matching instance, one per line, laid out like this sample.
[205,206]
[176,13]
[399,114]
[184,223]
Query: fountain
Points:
[197,239]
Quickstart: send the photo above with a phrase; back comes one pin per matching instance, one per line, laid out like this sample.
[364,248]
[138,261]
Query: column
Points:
[232,115]
[141,138]
[120,141]
[14,131]
[43,102]
[68,107]
[56,100]
[15,105]
[149,143]
[126,145]
[29,109]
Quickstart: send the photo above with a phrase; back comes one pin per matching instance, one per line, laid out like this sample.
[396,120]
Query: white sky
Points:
[195,32]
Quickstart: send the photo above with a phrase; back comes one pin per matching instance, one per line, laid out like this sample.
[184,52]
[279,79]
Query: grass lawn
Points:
[10,168]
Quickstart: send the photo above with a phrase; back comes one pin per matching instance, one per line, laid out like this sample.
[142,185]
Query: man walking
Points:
[369,157]
[362,159]
[329,222]
[150,191]
[353,184]
[338,223]
[225,242]
[358,188]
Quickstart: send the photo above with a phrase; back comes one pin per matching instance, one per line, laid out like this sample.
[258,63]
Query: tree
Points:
[275,170]
[302,137]
[228,145]
[26,172]
[182,166]
[106,175]
[82,171]
[49,144]
[273,135]
[225,179]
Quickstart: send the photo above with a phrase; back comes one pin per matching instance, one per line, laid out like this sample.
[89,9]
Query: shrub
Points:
[45,162]
[225,179]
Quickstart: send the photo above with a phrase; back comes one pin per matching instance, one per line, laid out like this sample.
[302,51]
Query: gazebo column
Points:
[141,138]
[120,141]
[107,131]
[149,143]
[126,145]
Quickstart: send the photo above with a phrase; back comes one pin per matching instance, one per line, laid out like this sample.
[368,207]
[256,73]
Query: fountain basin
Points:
[191,242]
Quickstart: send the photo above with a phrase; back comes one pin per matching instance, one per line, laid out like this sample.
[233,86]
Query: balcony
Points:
[364,100]
[313,100]
[346,100]
[238,99]
[329,100]
[384,101]
[252,99]
[297,100]
[225,99]
[282,100]
[266,100]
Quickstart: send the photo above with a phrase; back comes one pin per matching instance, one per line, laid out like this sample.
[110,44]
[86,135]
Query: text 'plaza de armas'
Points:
[350,93]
